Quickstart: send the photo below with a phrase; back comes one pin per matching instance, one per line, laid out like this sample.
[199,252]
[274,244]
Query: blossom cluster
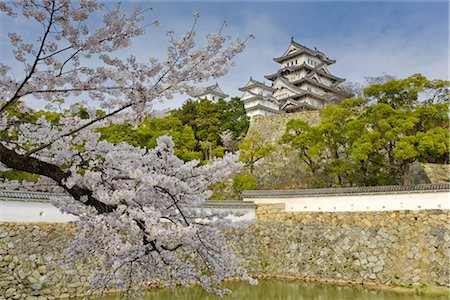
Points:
[136,207]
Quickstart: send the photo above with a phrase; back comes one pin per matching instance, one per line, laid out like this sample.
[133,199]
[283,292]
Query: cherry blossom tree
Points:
[137,208]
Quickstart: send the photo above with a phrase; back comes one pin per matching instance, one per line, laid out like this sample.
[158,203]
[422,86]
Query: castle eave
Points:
[199,95]
[262,107]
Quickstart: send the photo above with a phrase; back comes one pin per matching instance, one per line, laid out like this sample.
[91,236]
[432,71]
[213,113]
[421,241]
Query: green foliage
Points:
[244,182]
[209,119]
[252,149]
[373,144]
[146,133]
[405,92]
[19,175]
[218,191]
[233,117]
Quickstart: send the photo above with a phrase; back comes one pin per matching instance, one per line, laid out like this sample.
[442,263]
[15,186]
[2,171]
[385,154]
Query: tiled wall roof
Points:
[391,189]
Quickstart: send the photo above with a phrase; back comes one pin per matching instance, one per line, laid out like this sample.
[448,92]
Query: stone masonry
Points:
[390,248]
[393,248]
[33,265]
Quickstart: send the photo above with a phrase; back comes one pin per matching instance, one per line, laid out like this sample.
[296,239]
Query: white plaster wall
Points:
[249,104]
[208,96]
[312,88]
[29,211]
[21,211]
[253,103]
[283,93]
[257,90]
[292,77]
[295,61]
[375,202]
[246,95]
[266,93]
[325,80]
[312,101]
[258,112]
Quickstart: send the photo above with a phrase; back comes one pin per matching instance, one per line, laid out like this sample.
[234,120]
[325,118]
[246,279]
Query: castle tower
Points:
[212,92]
[258,99]
[303,82]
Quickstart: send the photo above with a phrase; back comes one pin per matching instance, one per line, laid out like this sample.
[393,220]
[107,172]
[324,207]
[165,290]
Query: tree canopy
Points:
[146,133]
[373,140]
[210,120]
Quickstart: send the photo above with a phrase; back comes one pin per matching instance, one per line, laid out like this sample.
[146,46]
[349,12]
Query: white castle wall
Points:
[424,200]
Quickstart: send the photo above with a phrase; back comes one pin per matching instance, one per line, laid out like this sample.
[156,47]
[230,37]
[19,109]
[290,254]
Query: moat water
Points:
[284,290]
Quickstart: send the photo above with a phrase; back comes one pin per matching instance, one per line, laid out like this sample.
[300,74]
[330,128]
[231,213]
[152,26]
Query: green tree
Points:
[146,133]
[244,182]
[209,120]
[233,117]
[252,149]
[404,93]
[373,141]
[203,117]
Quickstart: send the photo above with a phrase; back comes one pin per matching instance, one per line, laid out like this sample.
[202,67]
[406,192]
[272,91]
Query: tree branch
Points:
[32,165]
[16,95]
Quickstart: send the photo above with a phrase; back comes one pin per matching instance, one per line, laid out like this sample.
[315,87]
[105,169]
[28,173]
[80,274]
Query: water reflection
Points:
[284,290]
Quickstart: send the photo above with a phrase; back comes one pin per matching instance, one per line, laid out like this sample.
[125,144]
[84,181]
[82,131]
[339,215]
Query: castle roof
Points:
[292,105]
[317,70]
[258,96]
[363,190]
[262,107]
[285,83]
[296,49]
[304,94]
[212,89]
[319,84]
[254,83]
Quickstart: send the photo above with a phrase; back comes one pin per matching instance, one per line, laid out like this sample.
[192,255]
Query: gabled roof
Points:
[212,89]
[310,80]
[288,85]
[254,83]
[292,104]
[317,70]
[262,107]
[257,96]
[273,77]
[323,97]
[299,49]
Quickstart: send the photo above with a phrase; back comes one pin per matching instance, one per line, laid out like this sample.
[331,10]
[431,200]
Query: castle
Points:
[212,93]
[302,83]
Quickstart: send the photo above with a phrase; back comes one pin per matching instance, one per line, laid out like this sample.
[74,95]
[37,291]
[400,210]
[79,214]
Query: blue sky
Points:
[367,38]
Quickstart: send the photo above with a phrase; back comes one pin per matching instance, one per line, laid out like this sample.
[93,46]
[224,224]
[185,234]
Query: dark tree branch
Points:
[17,95]
[32,165]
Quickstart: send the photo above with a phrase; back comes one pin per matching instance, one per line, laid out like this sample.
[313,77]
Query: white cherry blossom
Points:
[137,208]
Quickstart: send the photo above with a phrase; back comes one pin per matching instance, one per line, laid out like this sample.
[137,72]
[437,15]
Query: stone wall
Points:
[396,248]
[32,262]
[281,169]
[272,127]
[437,173]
